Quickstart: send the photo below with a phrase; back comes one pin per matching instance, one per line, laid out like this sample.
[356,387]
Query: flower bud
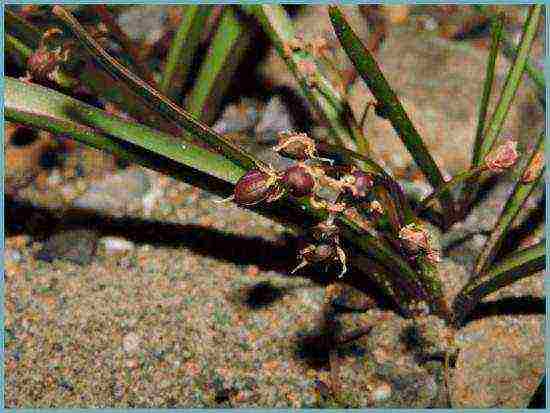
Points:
[296,146]
[298,181]
[503,157]
[253,187]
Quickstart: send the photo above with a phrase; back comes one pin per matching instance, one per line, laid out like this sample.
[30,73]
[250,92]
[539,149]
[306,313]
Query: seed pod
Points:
[298,181]
[296,146]
[253,187]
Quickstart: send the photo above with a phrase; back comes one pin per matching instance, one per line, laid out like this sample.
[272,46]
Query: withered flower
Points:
[503,157]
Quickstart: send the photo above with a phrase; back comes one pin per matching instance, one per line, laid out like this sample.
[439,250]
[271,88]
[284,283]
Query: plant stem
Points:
[522,190]
[183,49]
[124,41]
[18,27]
[519,265]
[512,83]
[496,35]
[226,49]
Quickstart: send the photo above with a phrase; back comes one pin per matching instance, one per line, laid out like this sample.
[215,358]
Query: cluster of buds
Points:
[328,187]
[416,241]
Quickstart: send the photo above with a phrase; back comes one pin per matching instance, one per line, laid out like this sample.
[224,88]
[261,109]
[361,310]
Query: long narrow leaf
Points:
[155,99]
[183,48]
[371,74]
[496,35]
[57,113]
[519,265]
[522,190]
[226,49]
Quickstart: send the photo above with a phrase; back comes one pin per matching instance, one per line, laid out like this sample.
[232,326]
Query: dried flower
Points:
[296,146]
[415,238]
[298,181]
[534,169]
[503,157]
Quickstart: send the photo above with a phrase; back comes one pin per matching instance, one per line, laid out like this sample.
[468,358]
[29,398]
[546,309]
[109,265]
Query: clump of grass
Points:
[353,211]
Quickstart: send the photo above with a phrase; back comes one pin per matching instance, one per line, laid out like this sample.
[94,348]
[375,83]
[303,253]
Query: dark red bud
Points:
[252,188]
[41,63]
[298,181]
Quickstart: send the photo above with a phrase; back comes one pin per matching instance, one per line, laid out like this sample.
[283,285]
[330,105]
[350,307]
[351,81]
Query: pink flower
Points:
[414,237]
[503,157]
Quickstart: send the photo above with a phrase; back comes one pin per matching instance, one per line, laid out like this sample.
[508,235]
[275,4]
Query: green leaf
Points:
[522,190]
[183,48]
[496,35]
[228,45]
[46,109]
[155,99]
[524,263]
[375,80]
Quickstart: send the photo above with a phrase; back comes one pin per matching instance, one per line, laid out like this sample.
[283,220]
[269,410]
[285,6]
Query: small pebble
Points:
[114,245]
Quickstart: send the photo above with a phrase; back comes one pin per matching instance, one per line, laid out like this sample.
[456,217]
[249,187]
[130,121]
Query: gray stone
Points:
[115,192]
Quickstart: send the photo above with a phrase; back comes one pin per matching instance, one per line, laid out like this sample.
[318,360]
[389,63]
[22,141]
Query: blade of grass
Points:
[155,99]
[43,108]
[226,49]
[57,113]
[519,265]
[328,102]
[511,85]
[183,48]
[496,34]
[375,80]
[522,190]
[511,51]
[18,48]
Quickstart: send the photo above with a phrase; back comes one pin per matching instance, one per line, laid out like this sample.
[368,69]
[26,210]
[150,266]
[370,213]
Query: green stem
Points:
[496,35]
[522,190]
[18,48]
[20,28]
[519,265]
[227,47]
[183,48]
[375,80]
